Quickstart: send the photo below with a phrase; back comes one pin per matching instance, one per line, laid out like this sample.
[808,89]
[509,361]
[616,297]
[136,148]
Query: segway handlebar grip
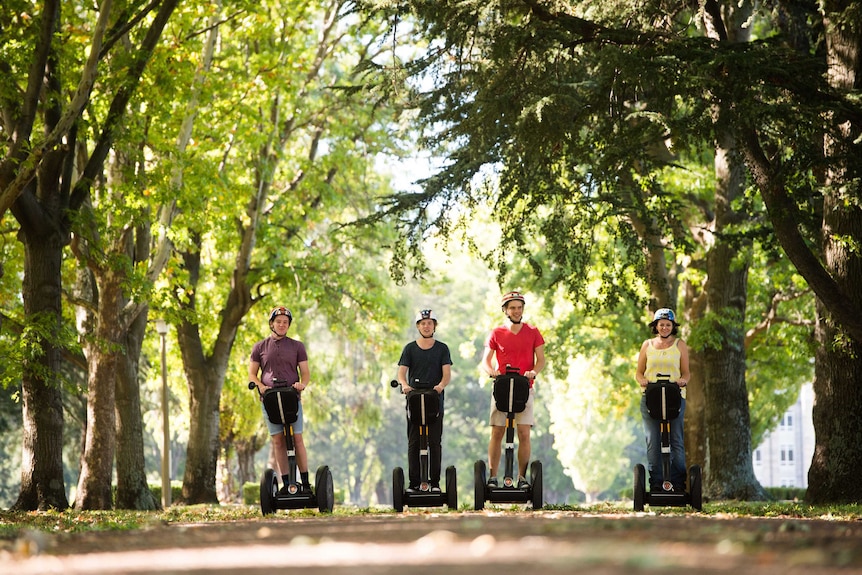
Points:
[252,385]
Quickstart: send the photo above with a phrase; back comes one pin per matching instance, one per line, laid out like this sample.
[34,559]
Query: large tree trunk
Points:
[245,452]
[729,473]
[833,476]
[97,461]
[203,447]
[42,485]
[133,491]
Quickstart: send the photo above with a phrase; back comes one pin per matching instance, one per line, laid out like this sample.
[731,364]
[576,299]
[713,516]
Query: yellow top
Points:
[663,361]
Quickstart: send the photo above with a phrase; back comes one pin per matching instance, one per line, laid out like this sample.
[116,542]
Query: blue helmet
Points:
[664,313]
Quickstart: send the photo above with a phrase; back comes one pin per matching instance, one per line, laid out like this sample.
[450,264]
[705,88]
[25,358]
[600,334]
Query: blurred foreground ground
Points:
[466,543]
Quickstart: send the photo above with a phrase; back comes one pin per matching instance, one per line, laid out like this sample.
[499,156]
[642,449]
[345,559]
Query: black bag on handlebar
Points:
[511,392]
[281,404]
[663,400]
[423,407]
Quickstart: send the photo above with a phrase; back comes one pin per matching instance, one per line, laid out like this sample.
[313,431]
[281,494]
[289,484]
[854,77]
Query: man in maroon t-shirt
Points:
[279,361]
[518,345]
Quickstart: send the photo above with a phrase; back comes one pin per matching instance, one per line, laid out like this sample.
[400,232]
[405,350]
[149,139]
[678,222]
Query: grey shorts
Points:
[277,428]
[498,418]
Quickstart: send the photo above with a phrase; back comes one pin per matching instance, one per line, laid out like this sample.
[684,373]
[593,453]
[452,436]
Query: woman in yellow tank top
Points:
[664,354]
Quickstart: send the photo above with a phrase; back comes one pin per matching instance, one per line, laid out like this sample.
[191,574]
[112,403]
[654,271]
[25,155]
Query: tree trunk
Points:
[245,452]
[133,491]
[833,476]
[205,378]
[202,452]
[97,461]
[42,485]
[729,473]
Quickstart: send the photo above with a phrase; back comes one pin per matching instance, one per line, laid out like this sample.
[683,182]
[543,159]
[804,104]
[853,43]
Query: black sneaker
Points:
[412,489]
[522,483]
[493,482]
[306,489]
[435,489]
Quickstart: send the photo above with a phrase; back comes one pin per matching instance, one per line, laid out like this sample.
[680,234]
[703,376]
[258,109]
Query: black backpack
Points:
[281,404]
[511,392]
[423,407]
[663,400]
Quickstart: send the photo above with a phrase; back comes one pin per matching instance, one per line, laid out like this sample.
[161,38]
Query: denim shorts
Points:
[277,428]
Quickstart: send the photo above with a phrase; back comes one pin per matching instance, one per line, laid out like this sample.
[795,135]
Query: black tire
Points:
[479,485]
[268,492]
[695,482]
[451,489]
[536,484]
[640,487]
[324,490]
[398,489]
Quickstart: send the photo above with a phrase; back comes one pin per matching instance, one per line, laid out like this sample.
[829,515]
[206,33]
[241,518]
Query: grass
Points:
[72,521]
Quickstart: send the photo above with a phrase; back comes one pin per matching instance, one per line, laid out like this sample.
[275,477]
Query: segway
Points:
[664,400]
[282,406]
[423,409]
[511,392]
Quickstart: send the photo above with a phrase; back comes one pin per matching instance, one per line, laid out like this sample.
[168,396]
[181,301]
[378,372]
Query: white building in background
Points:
[783,459]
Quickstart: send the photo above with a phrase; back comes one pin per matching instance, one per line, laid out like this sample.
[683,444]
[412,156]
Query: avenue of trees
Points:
[203,161]
[591,118]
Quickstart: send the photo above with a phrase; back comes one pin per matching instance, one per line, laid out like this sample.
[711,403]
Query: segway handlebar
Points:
[275,380]
[416,385]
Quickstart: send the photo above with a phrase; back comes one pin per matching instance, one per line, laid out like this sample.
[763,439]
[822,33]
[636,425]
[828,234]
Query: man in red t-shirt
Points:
[518,345]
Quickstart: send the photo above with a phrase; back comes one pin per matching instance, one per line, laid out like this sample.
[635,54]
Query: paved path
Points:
[471,543]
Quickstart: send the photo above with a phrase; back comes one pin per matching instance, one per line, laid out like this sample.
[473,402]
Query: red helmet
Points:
[512,296]
[280,310]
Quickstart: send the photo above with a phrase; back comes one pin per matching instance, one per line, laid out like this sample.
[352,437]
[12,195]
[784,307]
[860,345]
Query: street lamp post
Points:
[162,328]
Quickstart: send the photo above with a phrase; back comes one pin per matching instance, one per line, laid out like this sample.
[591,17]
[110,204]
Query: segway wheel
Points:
[398,489]
[268,492]
[479,485]
[451,489]
[536,484]
[324,490]
[640,487]
[695,484]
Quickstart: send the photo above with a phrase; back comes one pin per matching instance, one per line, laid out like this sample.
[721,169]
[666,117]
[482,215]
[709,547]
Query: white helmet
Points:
[426,314]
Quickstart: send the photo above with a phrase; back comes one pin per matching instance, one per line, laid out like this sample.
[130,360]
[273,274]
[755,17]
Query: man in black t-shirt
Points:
[425,364]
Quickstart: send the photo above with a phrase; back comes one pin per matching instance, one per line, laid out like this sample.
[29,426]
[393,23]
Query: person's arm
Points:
[684,372]
[538,362]
[304,375]
[444,381]
[402,379]
[253,375]
[487,365]
[641,370]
